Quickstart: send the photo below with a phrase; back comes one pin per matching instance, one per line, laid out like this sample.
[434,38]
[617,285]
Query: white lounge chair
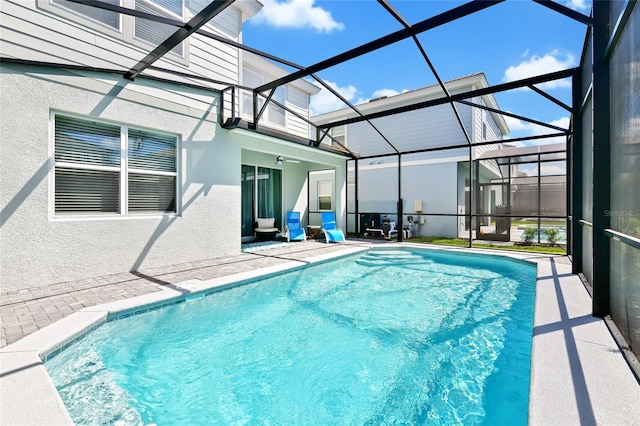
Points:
[266,229]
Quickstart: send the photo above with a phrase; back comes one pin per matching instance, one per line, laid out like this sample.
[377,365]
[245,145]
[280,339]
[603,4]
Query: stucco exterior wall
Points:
[432,183]
[39,249]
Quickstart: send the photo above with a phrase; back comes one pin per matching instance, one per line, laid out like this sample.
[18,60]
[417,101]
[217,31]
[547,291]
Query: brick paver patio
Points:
[26,311]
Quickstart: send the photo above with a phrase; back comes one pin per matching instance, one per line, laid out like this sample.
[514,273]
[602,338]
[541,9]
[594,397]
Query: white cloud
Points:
[523,128]
[578,5]
[296,14]
[325,101]
[537,65]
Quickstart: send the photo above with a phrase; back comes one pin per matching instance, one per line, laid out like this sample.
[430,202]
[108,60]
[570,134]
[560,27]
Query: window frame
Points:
[122,169]
[160,11]
[321,194]
[59,9]
[247,97]
[126,30]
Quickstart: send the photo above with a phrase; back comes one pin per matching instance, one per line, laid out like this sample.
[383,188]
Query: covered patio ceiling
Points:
[408,36]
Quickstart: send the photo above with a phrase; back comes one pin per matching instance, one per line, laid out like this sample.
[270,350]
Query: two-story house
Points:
[434,173]
[116,154]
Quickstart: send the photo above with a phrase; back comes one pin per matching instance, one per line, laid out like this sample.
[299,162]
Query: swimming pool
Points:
[403,336]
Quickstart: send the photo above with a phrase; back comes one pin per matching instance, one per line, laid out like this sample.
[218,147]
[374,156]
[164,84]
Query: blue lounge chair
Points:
[294,231]
[330,229]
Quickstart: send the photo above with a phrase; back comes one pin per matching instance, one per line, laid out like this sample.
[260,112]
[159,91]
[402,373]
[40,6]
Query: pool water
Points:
[386,337]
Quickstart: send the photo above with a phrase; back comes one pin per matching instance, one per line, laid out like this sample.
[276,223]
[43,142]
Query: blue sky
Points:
[508,41]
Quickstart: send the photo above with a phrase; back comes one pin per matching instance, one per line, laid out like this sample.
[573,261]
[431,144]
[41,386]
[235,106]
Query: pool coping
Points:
[568,384]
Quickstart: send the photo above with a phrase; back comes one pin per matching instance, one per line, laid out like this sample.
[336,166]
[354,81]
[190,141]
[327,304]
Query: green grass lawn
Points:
[459,242]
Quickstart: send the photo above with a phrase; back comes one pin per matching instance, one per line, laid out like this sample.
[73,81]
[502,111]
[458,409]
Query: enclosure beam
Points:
[601,160]
[619,26]
[427,24]
[576,176]
[510,114]
[355,109]
[549,97]
[400,19]
[182,33]
[448,147]
[399,205]
[472,211]
[570,13]
[458,97]
[357,196]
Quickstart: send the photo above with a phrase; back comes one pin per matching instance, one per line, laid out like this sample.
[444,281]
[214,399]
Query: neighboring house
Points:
[101,174]
[435,184]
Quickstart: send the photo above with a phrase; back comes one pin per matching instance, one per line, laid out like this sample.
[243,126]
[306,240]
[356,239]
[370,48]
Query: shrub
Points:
[528,235]
[553,235]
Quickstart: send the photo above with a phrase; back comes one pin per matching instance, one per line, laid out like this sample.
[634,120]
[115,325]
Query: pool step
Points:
[387,253]
[388,257]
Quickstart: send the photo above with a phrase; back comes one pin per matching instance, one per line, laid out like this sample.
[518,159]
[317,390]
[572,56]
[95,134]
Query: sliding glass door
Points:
[248,199]
[261,196]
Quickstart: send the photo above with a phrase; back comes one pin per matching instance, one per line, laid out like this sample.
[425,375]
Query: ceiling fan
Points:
[280,159]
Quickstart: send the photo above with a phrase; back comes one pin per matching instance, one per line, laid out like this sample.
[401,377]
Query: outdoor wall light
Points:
[280,159]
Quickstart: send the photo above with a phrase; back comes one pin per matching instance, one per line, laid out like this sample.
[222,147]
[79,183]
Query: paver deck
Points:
[26,311]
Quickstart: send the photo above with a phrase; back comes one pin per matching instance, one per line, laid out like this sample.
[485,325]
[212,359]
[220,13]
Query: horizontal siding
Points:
[443,156]
[422,129]
[31,33]
[477,121]
[493,132]
[297,98]
[297,101]
[33,42]
[226,23]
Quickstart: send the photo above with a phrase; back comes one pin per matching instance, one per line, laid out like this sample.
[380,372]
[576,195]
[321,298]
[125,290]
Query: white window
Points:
[142,31]
[155,32]
[325,195]
[105,17]
[102,168]
[273,114]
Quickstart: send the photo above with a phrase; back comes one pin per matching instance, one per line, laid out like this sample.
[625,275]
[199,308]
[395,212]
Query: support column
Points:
[399,205]
[341,196]
[601,159]
[356,194]
[575,178]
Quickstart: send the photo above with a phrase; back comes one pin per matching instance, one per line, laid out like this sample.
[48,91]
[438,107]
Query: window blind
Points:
[86,142]
[151,151]
[90,175]
[154,32]
[173,6]
[324,195]
[149,193]
[82,191]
